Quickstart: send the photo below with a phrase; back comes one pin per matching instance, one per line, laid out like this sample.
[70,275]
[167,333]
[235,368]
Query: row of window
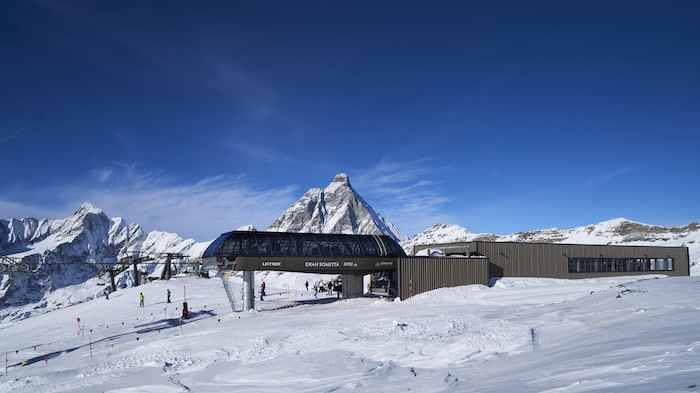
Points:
[594,265]
[294,244]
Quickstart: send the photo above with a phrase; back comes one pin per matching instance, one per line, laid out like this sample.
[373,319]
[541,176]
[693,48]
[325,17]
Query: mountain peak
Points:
[86,208]
[340,180]
[336,209]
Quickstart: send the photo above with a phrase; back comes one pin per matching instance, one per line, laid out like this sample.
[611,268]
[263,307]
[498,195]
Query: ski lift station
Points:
[432,266]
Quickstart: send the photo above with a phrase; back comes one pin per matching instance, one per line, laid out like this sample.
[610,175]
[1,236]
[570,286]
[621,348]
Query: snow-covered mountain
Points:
[336,209]
[71,250]
[617,231]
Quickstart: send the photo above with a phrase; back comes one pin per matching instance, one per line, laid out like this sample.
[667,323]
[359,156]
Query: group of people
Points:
[316,289]
[329,287]
[142,298]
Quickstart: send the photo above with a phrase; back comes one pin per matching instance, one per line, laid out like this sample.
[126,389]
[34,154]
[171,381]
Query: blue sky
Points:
[499,116]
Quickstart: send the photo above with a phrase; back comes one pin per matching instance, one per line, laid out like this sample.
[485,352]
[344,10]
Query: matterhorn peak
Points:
[336,209]
[340,180]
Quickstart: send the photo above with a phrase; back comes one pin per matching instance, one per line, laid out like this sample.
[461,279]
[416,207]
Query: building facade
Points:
[477,262]
[483,261]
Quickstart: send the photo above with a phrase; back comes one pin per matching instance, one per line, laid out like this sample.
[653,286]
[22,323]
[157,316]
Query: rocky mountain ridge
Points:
[71,250]
[338,208]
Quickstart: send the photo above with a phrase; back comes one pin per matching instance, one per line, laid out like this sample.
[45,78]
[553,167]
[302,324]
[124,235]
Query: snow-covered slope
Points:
[336,209]
[523,335]
[617,231]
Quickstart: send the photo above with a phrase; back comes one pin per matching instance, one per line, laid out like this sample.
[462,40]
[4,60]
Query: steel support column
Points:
[248,290]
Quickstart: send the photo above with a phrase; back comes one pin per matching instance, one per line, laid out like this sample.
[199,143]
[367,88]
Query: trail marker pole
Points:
[185,311]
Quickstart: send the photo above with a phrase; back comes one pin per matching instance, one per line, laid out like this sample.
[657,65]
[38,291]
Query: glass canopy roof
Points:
[253,243]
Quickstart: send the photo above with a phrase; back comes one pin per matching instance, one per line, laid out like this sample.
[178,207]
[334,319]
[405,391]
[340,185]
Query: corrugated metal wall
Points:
[551,260]
[512,259]
[352,285]
[422,274]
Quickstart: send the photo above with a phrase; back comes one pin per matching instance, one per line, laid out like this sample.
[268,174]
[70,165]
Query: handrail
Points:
[381,245]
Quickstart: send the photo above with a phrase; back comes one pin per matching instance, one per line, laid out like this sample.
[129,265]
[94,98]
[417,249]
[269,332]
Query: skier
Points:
[106,294]
[262,290]
[306,284]
[168,295]
[316,291]
[141,299]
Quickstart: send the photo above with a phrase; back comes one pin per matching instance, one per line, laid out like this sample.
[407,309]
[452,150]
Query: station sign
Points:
[321,265]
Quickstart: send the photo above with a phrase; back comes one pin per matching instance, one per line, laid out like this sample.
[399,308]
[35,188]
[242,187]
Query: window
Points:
[601,264]
[239,243]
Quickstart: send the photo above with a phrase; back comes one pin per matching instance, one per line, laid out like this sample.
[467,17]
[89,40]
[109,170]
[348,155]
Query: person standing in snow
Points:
[306,284]
[316,291]
[168,295]
[141,299]
[262,290]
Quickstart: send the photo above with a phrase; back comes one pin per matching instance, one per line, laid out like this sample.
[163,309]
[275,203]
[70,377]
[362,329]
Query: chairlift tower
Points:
[112,270]
[135,258]
[167,269]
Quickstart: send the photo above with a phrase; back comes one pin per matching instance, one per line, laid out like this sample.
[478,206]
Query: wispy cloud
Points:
[266,154]
[102,175]
[608,176]
[202,209]
[9,135]
[24,210]
[129,175]
[128,139]
[410,194]
[407,193]
[200,57]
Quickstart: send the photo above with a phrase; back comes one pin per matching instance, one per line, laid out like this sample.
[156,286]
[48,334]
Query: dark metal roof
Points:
[281,244]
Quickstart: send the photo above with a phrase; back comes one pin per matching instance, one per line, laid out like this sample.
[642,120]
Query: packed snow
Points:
[617,334]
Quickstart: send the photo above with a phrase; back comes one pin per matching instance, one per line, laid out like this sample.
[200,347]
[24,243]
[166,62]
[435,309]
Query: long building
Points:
[489,260]
[478,262]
